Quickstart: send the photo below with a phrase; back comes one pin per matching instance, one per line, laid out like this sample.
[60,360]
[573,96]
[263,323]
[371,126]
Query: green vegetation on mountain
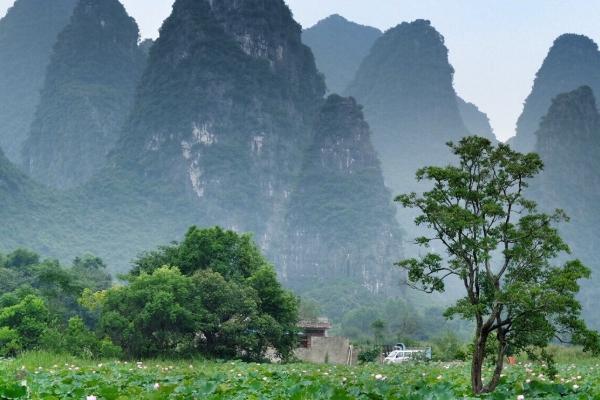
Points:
[219,133]
[340,222]
[573,61]
[223,112]
[339,47]
[64,225]
[27,34]
[89,91]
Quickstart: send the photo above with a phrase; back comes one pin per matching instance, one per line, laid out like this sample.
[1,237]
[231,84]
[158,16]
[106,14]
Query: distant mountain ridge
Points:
[88,94]
[339,46]
[568,142]
[27,33]
[406,87]
[228,126]
[573,61]
[476,121]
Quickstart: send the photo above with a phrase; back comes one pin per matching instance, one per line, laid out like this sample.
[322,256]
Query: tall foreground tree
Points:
[503,250]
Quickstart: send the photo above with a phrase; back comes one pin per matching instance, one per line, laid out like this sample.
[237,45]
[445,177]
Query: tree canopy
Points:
[40,307]
[213,294]
[503,250]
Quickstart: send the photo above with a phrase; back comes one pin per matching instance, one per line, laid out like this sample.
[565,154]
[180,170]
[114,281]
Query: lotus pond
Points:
[42,376]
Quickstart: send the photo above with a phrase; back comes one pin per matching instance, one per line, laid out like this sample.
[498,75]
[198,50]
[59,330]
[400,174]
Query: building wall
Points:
[334,350]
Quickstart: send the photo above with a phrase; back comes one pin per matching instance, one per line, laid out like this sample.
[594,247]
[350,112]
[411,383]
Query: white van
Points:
[397,357]
[400,356]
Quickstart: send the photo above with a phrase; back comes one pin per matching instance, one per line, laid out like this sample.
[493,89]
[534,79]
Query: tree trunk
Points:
[502,346]
[477,362]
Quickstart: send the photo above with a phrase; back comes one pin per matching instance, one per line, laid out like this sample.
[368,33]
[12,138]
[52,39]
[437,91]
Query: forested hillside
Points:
[87,96]
[27,34]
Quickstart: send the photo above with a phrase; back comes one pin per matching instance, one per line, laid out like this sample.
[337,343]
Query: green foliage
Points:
[10,342]
[56,376]
[23,323]
[156,314]
[91,272]
[449,347]
[76,339]
[404,321]
[39,305]
[220,299]
[378,327]
[309,310]
[369,355]
[503,250]
[23,271]
[232,255]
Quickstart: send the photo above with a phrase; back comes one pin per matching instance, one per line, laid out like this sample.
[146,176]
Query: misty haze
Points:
[263,199]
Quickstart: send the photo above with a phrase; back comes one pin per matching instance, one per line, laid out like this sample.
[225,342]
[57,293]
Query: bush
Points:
[10,343]
[23,323]
[448,347]
[369,355]
[76,339]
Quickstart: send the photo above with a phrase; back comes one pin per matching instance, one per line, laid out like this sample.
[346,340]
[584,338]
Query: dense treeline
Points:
[214,295]
[40,305]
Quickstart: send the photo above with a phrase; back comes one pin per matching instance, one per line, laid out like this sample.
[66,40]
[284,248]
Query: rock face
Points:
[341,224]
[476,121]
[224,110]
[88,93]
[568,141]
[573,61]
[406,86]
[339,47]
[27,34]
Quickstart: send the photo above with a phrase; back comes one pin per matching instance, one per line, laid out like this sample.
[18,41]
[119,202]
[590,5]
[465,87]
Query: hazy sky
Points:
[496,46]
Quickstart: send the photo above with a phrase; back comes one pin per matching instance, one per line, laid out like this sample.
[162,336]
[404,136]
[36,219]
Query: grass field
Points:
[47,376]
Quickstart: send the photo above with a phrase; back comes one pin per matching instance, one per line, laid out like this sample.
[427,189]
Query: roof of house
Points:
[314,325]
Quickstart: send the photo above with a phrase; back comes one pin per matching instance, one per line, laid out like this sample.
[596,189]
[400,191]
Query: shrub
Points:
[369,355]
